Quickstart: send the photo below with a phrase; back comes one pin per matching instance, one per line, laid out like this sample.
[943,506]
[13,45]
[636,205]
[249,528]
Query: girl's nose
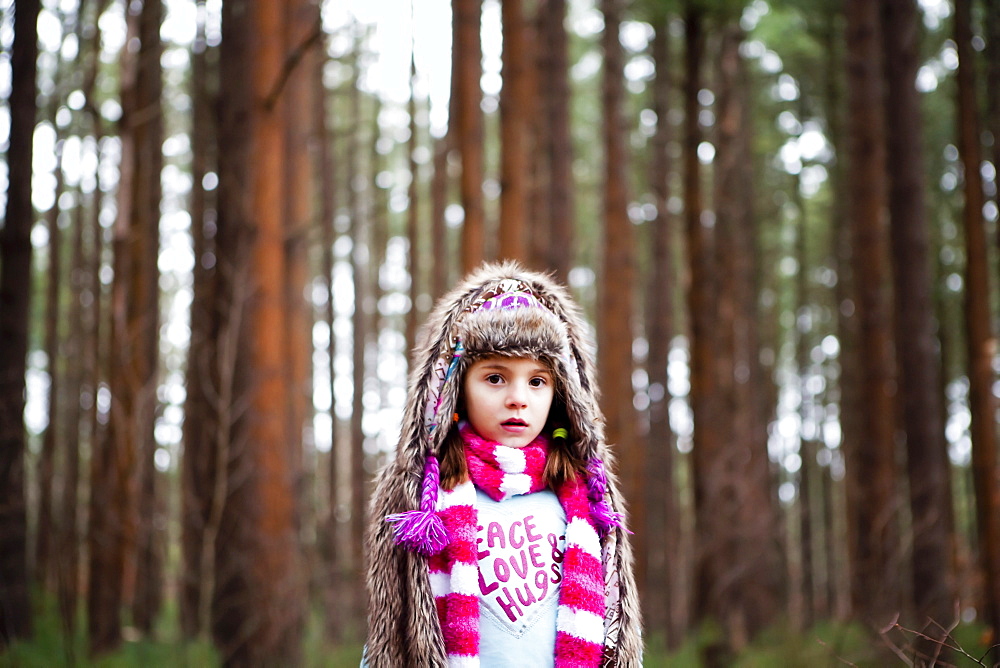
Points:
[517,397]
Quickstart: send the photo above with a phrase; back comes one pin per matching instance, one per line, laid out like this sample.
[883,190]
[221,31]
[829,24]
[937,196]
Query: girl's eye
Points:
[537,382]
[494,379]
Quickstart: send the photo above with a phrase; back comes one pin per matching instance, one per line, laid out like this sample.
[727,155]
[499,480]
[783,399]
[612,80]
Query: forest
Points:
[224,222]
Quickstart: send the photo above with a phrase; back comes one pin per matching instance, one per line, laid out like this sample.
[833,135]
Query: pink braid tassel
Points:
[422,531]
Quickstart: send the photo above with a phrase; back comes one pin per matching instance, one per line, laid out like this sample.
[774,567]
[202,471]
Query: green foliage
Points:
[50,646]
[828,644]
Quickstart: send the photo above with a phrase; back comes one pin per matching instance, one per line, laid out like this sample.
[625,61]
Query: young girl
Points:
[496,535]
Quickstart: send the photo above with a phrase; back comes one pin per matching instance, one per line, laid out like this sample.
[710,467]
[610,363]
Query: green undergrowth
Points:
[825,645]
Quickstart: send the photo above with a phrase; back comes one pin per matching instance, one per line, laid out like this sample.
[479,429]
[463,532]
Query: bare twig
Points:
[292,61]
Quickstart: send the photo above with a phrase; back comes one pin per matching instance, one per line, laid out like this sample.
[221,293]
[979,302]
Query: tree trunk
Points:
[847,322]
[302,39]
[555,142]
[440,276]
[871,460]
[711,526]
[981,342]
[361,258]
[47,527]
[68,546]
[615,329]
[468,54]
[919,364]
[200,409]
[809,470]
[414,231]
[15,301]
[335,545]
[753,569]
[113,511]
[516,107]
[666,565]
[991,31]
[258,605]
[145,124]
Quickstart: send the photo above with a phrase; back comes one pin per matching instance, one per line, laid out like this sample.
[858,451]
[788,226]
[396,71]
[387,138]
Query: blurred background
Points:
[225,221]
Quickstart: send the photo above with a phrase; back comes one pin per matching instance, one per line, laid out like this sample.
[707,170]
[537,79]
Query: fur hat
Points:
[499,309]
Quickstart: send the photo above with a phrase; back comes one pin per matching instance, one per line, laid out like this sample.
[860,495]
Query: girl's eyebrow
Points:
[500,366]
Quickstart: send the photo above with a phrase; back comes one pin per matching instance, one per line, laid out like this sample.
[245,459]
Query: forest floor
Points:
[826,645]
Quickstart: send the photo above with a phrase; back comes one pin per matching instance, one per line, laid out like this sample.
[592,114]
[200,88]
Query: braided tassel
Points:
[422,531]
[604,518]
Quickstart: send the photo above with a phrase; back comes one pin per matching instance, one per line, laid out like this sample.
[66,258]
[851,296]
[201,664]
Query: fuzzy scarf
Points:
[501,472]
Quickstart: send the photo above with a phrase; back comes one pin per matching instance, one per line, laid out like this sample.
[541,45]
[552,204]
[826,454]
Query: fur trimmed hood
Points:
[403,624]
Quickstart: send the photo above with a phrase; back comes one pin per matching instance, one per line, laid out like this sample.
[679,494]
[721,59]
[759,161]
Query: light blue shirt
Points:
[521,543]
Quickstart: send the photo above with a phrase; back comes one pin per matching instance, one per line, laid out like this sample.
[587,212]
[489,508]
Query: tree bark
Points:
[362,253]
[847,321]
[666,564]
[875,583]
[258,602]
[303,29]
[47,523]
[15,301]
[615,329]
[467,54]
[200,409]
[145,123]
[916,342]
[711,526]
[112,536]
[555,142]
[516,107]
[414,228]
[742,489]
[981,340]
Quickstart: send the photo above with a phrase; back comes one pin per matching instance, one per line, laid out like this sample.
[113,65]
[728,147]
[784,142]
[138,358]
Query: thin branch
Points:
[292,61]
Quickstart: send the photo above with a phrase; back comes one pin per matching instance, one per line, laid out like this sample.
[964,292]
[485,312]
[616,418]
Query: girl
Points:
[496,535]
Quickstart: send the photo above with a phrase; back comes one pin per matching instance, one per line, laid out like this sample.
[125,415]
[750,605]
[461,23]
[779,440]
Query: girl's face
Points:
[507,400]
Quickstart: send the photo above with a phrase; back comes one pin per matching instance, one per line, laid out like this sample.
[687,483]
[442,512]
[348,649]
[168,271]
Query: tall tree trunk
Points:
[981,341]
[68,545]
[615,329]
[414,232]
[302,37]
[916,343]
[467,69]
[47,527]
[113,516]
[711,527]
[991,30]
[516,107]
[555,142]
[258,606]
[665,561]
[15,300]
[809,469]
[871,460]
[742,486]
[200,410]
[361,253]
[334,545]
[145,122]
[848,323]
[440,276]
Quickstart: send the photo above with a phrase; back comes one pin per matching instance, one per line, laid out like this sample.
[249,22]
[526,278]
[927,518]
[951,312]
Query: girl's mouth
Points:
[514,422]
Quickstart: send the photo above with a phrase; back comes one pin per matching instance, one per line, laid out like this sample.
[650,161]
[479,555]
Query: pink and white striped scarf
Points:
[501,472]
